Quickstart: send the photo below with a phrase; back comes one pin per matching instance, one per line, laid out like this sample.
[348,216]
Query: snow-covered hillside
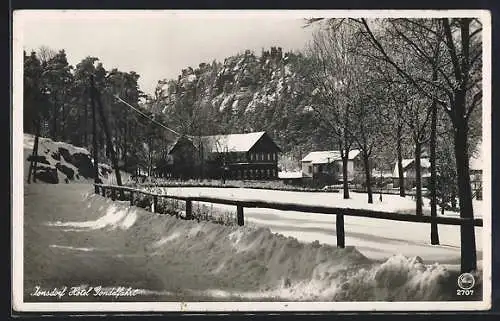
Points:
[249,92]
[61,162]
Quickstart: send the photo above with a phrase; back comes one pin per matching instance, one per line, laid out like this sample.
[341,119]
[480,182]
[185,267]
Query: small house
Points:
[409,172]
[290,178]
[326,166]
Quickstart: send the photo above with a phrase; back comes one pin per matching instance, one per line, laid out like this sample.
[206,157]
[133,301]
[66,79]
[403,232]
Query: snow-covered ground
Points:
[104,242]
[71,235]
[376,238]
[389,203]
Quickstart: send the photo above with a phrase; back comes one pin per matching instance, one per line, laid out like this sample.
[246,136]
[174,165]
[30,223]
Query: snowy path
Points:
[376,238]
[73,237]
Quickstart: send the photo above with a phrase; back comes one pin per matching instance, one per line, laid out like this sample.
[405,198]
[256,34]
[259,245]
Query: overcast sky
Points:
[158,45]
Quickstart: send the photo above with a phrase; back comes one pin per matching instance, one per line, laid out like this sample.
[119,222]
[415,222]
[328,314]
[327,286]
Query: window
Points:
[251,156]
[245,173]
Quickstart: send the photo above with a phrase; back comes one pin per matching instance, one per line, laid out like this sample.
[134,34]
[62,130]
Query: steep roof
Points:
[424,163]
[226,143]
[231,142]
[323,157]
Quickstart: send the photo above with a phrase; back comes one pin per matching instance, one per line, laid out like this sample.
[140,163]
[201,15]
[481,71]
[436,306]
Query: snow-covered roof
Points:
[323,157]
[231,142]
[424,163]
[223,143]
[284,175]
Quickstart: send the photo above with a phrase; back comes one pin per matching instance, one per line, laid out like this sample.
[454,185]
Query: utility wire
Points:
[146,116]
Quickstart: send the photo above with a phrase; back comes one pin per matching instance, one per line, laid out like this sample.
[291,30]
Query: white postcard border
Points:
[17,171]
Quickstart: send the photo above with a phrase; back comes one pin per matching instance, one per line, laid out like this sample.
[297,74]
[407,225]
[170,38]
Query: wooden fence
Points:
[127,193]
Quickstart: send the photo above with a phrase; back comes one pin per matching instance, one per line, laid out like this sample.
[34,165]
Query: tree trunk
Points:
[345,156]
[433,178]
[63,120]
[109,141]
[366,162]
[453,197]
[345,178]
[202,160]
[125,146]
[418,178]
[95,149]
[33,163]
[401,177]
[85,126]
[467,232]
[54,120]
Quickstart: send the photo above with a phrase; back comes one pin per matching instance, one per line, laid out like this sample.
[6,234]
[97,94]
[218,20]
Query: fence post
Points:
[240,216]
[113,195]
[96,189]
[131,198]
[340,231]
[189,210]
[155,204]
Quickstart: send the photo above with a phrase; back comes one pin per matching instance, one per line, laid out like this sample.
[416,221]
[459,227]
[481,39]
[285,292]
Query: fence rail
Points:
[241,204]
[293,207]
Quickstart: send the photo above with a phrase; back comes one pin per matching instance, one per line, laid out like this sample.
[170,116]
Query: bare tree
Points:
[457,90]
[331,73]
[45,53]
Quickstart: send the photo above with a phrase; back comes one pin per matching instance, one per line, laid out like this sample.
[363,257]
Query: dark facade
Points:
[184,160]
[237,156]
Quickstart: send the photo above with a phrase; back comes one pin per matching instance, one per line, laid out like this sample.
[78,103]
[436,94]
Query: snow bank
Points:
[62,162]
[116,216]
[254,263]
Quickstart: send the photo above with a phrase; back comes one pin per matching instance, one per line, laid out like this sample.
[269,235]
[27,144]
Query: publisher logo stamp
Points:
[466,281]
